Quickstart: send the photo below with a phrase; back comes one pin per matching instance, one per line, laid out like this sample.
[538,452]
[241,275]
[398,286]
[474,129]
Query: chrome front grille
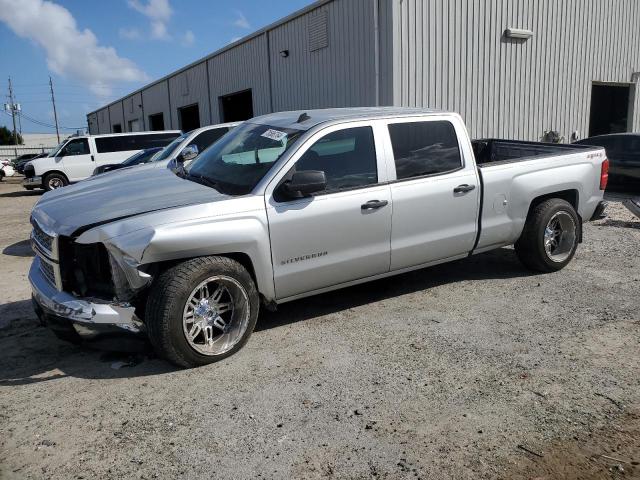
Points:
[48,271]
[44,240]
[45,247]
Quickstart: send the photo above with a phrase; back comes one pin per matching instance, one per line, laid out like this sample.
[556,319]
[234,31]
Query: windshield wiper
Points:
[201,179]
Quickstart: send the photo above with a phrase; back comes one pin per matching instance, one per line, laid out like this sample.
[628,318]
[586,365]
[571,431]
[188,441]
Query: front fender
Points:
[186,233]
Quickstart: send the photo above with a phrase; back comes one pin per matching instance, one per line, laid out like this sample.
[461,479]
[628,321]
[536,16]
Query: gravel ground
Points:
[476,369]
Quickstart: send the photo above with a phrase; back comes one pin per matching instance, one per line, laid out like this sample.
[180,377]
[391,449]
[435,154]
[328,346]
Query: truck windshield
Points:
[169,149]
[238,161]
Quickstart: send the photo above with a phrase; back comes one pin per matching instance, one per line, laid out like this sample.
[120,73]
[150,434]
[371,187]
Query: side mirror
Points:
[188,153]
[305,183]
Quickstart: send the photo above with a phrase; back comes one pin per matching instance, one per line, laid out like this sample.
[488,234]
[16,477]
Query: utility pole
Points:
[12,105]
[55,115]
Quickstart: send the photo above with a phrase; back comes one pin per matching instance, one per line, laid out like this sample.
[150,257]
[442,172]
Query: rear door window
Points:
[424,148]
[347,157]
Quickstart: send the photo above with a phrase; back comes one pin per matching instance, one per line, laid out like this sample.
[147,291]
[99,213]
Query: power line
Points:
[41,123]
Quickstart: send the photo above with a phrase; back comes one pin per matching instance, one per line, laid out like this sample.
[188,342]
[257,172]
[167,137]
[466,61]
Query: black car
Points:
[22,160]
[623,152]
[139,158]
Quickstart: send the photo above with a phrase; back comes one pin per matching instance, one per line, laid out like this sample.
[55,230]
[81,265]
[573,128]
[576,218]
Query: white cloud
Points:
[70,52]
[188,38]
[241,21]
[129,33]
[234,39]
[158,12]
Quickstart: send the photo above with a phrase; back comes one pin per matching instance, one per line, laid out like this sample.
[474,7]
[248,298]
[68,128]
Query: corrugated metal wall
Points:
[242,68]
[187,88]
[342,74]
[133,111]
[103,121]
[116,115]
[155,99]
[451,54]
[92,122]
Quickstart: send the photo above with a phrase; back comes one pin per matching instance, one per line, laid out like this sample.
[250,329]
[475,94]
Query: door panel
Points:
[342,233]
[430,221]
[435,196]
[327,240]
[77,159]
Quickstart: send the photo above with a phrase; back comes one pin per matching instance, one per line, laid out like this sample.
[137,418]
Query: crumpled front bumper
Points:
[89,317]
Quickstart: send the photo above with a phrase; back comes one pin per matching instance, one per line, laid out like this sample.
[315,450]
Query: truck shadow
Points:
[496,264]
[30,353]
[23,193]
[19,249]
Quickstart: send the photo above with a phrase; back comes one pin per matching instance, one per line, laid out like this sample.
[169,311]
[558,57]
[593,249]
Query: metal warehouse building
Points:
[511,68]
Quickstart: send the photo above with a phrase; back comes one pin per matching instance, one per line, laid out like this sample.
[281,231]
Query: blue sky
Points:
[96,51]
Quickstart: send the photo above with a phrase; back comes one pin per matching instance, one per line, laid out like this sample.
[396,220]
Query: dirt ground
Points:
[476,369]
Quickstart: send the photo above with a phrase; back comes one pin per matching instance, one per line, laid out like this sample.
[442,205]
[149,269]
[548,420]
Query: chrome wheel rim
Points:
[55,183]
[560,236]
[216,315]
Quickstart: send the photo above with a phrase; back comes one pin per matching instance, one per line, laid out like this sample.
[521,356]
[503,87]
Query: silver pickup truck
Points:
[293,204]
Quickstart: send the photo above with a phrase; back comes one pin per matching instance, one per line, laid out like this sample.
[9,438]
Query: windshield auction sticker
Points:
[276,135]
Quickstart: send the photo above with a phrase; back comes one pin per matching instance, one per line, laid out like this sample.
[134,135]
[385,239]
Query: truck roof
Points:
[306,119]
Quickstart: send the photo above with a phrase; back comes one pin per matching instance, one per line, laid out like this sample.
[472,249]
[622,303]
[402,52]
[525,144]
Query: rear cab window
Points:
[425,148]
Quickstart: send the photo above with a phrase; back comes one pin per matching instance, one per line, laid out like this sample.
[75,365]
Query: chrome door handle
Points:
[374,204]
[464,188]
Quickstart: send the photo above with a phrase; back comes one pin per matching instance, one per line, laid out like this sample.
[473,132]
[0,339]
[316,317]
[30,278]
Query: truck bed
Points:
[492,151]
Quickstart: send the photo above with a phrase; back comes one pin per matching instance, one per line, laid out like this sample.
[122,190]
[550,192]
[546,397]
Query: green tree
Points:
[6,137]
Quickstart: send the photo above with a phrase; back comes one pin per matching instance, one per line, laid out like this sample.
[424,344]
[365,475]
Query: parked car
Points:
[196,140]
[6,169]
[77,157]
[623,151]
[293,204]
[20,162]
[140,158]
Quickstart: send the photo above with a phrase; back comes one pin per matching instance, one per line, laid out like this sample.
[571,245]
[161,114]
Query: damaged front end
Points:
[93,288]
[100,270]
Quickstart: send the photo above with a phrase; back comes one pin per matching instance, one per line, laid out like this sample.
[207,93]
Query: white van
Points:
[77,157]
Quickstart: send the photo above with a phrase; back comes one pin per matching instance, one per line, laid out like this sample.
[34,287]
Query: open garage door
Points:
[237,106]
[609,109]
[189,117]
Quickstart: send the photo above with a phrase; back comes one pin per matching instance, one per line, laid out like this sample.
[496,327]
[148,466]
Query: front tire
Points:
[201,311]
[550,236]
[53,181]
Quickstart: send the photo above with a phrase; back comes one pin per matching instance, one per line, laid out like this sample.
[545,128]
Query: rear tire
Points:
[201,311]
[550,236]
[53,181]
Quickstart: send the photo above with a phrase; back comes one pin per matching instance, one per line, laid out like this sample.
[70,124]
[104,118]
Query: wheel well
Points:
[242,258]
[570,196]
[154,269]
[54,171]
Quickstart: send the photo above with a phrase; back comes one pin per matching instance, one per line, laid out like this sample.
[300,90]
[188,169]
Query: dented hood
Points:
[117,195]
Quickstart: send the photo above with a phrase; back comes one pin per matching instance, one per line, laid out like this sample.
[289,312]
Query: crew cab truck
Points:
[78,156]
[293,204]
